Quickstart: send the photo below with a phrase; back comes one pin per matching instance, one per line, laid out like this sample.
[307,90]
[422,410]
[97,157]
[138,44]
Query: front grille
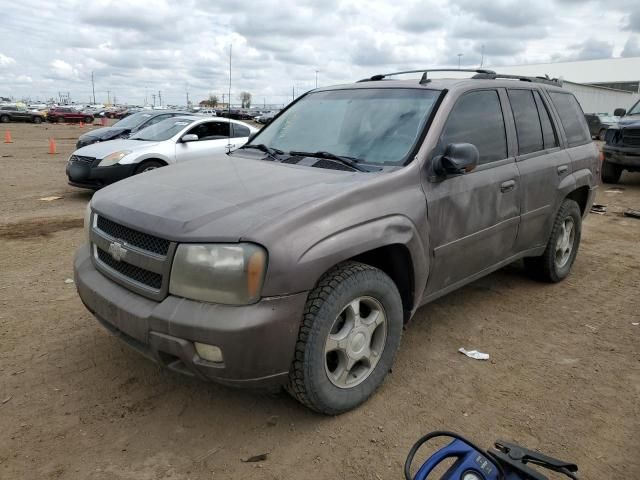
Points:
[137,274]
[631,137]
[140,240]
[81,159]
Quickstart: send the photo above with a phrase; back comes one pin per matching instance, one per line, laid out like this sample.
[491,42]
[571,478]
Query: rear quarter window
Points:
[571,117]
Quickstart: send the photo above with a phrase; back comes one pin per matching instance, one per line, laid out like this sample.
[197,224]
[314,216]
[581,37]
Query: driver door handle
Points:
[507,186]
[563,169]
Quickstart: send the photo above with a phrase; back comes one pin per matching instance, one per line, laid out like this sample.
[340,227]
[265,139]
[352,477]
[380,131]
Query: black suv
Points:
[622,148]
[15,113]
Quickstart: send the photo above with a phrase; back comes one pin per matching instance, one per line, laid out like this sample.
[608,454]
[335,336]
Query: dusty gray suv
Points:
[296,260]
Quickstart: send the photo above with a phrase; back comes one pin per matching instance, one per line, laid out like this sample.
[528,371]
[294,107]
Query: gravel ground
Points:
[564,374]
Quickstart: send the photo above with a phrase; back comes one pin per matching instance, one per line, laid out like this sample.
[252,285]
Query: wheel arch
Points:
[391,244]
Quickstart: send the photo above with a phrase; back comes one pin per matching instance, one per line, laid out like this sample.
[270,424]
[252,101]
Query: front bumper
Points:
[85,175]
[257,341]
[626,157]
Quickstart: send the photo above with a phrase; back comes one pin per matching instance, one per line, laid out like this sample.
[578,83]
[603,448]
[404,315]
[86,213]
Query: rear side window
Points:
[572,118]
[477,118]
[548,133]
[528,127]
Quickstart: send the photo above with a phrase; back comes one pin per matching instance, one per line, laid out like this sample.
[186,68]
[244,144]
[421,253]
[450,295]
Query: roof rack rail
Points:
[493,76]
[424,73]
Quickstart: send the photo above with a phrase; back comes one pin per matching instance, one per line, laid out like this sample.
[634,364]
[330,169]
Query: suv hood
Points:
[102,149]
[626,122]
[220,199]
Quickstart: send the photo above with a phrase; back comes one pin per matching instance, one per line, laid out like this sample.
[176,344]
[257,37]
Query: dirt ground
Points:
[75,403]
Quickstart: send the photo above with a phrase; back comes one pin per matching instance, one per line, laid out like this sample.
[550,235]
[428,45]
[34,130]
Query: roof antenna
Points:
[229,105]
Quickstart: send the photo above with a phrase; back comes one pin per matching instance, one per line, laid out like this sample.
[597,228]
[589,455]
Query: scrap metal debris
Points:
[599,209]
[475,354]
[49,199]
[256,458]
[632,213]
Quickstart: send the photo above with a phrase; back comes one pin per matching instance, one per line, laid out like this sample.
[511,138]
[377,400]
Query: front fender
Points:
[355,240]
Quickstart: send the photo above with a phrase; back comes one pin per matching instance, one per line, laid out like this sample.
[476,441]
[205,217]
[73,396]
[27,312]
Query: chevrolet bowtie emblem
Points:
[117,251]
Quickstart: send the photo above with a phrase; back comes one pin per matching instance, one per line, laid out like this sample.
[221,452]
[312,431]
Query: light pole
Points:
[459,58]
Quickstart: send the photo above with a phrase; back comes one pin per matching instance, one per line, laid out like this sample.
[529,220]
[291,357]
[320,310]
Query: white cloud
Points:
[6,61]
[169,45]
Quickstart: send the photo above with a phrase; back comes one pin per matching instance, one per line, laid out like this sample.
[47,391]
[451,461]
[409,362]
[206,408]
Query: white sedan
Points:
[176,139]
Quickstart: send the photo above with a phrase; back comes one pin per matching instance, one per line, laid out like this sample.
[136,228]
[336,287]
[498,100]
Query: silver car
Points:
[173,140]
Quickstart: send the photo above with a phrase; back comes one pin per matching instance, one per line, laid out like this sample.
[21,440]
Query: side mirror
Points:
[619,112]
[189,137]
[458,158]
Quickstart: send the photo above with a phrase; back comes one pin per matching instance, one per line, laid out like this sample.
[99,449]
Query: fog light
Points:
[209,352]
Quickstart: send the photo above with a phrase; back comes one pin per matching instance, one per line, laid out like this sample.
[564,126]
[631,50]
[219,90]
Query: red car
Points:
[68,114]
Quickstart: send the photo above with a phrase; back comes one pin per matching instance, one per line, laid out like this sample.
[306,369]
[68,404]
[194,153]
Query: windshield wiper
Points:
[348,161]
[271,152]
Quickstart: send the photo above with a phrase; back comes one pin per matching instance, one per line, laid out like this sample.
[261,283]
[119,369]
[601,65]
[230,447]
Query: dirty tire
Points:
[611,172]
[37,120]
[545,267]
[148,166]
[602,134]
[4,119]
[88,119]
[60,119]
[309,381]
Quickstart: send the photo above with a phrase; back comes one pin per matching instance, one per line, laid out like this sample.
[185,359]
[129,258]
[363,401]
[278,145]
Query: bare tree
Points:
[211,102]
[245,98]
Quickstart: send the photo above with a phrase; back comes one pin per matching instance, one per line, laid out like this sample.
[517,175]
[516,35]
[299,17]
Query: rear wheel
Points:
[60,120]
[555,263]
[348,339]
[4,119]
[88,119]
[602,134]
[148,166]
[611,172]
[37,120]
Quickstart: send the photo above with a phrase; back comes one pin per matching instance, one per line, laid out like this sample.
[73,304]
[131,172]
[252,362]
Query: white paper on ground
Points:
[474,354]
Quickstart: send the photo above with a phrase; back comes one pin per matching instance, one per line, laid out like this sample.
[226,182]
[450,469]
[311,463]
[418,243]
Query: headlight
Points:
[87,222]
[113,158]
[231,274]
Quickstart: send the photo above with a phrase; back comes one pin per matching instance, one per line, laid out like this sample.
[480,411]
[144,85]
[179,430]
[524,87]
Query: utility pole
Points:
[293,92]
[159,97]
[481,55]
[109,97]
[187,91]
[459,58]
[93,88]
[153,95]
[223,95]
[230,52]
[317,78]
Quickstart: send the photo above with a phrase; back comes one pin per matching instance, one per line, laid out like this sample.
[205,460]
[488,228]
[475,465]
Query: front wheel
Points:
[148,166]
[88,119]
[555,263]
[37,120]
[4,119]
[348,339]
[602,134]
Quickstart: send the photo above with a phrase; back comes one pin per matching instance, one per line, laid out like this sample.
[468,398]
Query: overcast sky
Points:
[135,50]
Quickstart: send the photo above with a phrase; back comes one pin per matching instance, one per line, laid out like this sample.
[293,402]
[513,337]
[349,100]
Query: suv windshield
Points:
[163,130]
[635,110]
[374,125]
[132,121]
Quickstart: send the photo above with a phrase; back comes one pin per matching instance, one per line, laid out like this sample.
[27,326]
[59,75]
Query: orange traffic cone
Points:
[52,146]
[7,137]
[81,124]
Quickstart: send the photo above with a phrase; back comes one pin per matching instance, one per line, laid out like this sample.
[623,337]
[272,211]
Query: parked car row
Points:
[297,259]
[20,113]
[146,141]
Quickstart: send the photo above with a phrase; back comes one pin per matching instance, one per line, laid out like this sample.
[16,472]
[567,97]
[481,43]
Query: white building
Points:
[600,86]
